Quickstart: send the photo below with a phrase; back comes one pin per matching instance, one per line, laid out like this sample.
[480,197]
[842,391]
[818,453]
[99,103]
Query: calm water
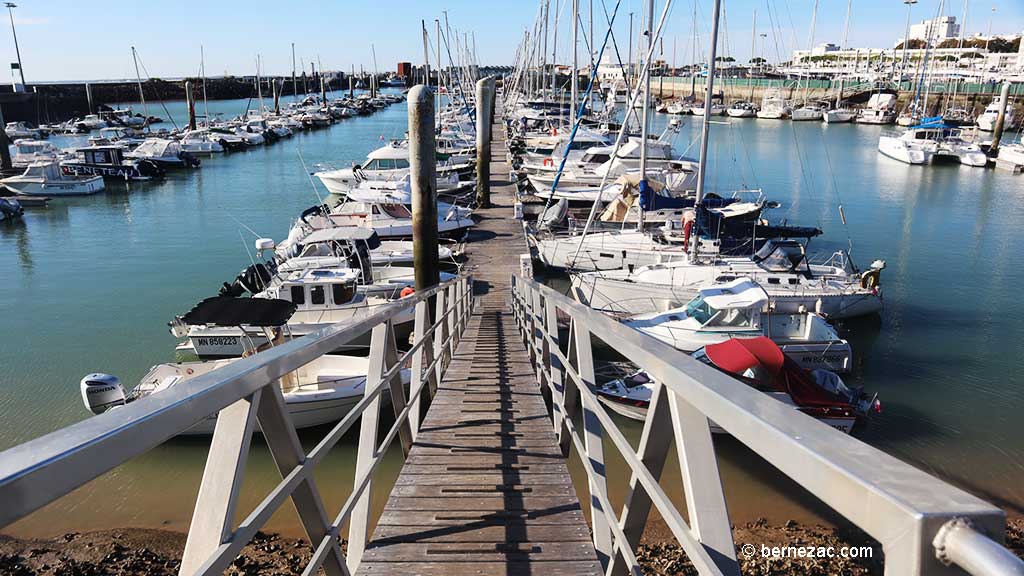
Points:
[89,284]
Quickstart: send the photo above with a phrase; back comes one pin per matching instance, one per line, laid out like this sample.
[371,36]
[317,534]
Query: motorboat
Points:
[391,220]
[659,157]
[773,105]
[740,309]
[881,109]
[930,142]
[200,142]
[987,119]
[716,109]
[762,365]
[164,153]
[27,151]
[387,163]
[839,115]
[742,109]
[1012,153]
[16,130]
[320,392]
[91,122]
[110,162]
[835,288]
[807,113]
[121,136]
[45,178]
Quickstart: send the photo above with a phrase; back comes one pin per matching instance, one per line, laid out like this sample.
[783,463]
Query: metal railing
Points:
[243,395]
[925,526]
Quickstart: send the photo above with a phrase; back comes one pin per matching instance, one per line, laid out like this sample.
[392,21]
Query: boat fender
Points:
[870,279]
[407,291]
[549,162]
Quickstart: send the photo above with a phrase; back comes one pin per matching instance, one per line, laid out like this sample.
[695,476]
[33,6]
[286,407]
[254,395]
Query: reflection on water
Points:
[89,283]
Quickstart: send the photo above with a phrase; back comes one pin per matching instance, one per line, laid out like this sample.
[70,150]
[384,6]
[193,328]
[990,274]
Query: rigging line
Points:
[162,105]
[242,224]
[319,199]
[580,113]
[631,113]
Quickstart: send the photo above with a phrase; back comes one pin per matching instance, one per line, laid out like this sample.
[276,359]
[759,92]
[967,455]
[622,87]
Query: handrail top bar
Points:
[790,441]
[155,418]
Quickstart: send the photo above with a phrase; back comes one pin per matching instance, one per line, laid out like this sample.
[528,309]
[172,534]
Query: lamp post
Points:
[906,37]
[10,10]
[764,53]
[988,39]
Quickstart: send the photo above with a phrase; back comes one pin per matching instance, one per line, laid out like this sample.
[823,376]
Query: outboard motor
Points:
[149,168]
[101,392]
[253,280]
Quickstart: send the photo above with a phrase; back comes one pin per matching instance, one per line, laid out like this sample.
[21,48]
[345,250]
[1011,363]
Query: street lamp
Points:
[906,37]
[10,10]
[764,53]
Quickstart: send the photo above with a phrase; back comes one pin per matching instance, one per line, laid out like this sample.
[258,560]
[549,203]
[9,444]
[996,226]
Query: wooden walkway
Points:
[485,489]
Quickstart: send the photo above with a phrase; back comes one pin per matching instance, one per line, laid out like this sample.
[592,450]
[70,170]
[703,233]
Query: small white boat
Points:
[773,105]
[321,392]
[716,110]
[47,179]
[164,153]
[16,130]
[987,119]
[807,113]
[839,115]
[929,143]
[1012,153]
[739,309]
[27,151]
[742,110]
[200,141]
[881,109]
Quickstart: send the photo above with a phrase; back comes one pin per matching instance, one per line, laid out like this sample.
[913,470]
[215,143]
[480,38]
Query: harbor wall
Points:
[57,102]
[971,96]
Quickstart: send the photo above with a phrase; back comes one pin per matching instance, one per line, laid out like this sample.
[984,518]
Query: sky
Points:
[76,40]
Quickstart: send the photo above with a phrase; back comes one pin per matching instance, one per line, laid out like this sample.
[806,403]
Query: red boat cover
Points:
[738,354]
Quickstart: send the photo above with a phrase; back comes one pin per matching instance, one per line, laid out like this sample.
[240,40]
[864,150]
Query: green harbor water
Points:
[88,284]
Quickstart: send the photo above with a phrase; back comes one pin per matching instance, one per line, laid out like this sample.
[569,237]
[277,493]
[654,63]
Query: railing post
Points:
[419,379]
[652,452]
[705,500]
[557,374]
[439,340]
[359,524]
[537,338]
[213,517]
[283,442]
[594,443]
[570,394]
[395,386]
[453,318]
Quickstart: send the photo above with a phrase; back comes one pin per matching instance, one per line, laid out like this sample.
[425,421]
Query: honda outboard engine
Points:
[253,279]
[101,392]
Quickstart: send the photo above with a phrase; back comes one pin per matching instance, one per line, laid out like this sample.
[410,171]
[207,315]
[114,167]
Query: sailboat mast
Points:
[202,70]
[810,47]
[846,34]
[138,78]
[440,68]
[645,122]
[702,166]
[575,63]
[259,84]
[593,49]
[753,52]
[426,54]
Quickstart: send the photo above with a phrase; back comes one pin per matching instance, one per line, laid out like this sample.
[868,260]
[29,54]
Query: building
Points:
[405,70]
[822,49]
[935,30]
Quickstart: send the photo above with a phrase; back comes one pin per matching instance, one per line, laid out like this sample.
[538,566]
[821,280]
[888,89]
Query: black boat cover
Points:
[223,311]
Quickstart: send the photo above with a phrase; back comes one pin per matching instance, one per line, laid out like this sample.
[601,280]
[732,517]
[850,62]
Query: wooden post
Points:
[5,142]
[191,101]
[423,185]
[997,130]
[323,89]
[483,144]
[278,88]
[88,96]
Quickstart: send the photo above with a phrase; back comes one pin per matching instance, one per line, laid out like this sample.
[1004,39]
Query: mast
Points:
[753,53]
[440,75]
[138,78]
[426,55]
[202,71]
[593,50]
[810,48]
[554,56]
[259,85]
[575,63]
[846,34]
[544,52]
[706,127]
[645,121]
[295,87]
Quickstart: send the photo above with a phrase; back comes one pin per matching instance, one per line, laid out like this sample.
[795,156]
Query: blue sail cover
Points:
[932,122]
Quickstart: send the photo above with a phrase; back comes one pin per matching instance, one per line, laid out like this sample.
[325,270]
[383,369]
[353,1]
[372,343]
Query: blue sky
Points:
[75,40]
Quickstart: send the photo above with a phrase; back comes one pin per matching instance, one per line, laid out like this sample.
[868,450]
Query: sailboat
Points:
[840,114]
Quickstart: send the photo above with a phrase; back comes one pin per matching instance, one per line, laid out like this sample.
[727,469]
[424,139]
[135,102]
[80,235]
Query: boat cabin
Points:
[390,157]
[316,289]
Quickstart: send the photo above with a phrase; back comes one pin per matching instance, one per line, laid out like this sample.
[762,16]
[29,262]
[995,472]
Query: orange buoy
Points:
[407,291]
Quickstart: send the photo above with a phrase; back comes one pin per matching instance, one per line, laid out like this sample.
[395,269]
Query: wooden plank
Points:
[480,551]
[488,533]
[484,568]
[512,489]
[511,503]
[560,517]
[466,479]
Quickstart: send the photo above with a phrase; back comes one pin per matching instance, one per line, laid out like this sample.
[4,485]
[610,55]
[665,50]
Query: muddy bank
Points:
[157,552]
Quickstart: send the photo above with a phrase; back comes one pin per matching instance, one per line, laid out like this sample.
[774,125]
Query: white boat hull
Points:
[839,116]
[898,149]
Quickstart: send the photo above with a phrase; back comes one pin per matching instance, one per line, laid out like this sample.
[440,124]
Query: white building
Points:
[935,30]
[822,49]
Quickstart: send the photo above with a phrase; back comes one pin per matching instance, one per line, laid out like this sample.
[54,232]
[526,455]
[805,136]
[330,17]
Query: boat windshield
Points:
[699,310]
[787,257]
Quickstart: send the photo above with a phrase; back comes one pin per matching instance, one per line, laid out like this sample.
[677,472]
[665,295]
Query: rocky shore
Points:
[157,553]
